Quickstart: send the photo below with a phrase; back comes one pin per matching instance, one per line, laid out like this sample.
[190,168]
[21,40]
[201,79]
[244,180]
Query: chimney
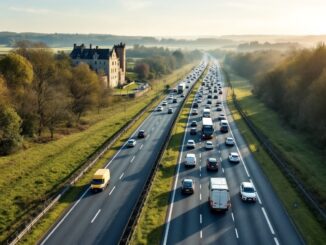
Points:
[75,45]
[90,46]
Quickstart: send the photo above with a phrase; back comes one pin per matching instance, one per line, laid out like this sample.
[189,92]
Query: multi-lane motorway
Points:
[101,218]
[189,219]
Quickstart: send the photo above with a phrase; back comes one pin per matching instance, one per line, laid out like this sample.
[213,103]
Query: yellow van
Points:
[101,179]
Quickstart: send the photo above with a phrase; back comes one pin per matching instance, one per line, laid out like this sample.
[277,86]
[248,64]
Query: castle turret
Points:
[120,50]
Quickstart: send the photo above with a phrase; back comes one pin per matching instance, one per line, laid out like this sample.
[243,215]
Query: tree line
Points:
[162,62]
[40,90]
[293,84]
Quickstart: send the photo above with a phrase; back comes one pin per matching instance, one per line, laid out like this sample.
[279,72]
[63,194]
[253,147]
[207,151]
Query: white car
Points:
[248,192]
[191,144]
[209,145]
[159,108]
[131,143]
[229,141]
[221,117]
[234,157]
[164,103]
[190,160]
[194,112]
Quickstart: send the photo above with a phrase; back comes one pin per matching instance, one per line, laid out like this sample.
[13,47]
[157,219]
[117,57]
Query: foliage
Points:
[10,138]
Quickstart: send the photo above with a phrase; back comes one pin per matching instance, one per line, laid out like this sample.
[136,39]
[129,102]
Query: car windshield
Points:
[249,190]
[97,181]
[187,184]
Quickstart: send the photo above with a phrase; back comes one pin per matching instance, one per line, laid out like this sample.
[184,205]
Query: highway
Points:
[100,218]
[189,219]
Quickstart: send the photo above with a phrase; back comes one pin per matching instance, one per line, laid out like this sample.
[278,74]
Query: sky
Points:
[175,18]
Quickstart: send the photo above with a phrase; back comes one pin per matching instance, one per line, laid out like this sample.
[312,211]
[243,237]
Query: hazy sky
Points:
[165,17]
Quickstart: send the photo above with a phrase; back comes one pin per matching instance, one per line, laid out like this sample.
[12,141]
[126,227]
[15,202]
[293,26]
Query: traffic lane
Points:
[280,221]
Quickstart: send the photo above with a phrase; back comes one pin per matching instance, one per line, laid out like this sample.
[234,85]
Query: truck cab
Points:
[100,180]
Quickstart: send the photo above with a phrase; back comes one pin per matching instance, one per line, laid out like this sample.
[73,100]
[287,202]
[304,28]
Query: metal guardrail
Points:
[39,211]
[133,219]
[279,158]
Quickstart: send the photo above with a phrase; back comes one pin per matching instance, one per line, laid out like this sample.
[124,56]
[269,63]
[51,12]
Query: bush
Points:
[10,122]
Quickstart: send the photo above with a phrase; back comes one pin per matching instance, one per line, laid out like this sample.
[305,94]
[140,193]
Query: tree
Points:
[84,88]
[142,70]
[10,122]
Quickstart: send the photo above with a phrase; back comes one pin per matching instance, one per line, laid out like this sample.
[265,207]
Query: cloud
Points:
[30,10]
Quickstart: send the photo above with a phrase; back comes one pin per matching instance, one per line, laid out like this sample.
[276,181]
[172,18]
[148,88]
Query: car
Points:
[164,103]
[209,96]
[141,134]
[215,96]
[199,101]
[194,112]
[195,105]
[219,108]
[174,100]
[209,102]
[187,186]
[218,103]
[190,160]
[220,92]
[191,144]
[182,95]
[187,86]
[159,108]
[209,145]
[215,90]
[131,142]
[212,164]
[207,107]
[193,124]
[248,192]
[193,131]
[221,117]
[170,110]
[234,157]
[229,141]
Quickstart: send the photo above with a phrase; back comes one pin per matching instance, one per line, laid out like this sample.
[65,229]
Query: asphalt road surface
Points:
[190,220]
[100,218]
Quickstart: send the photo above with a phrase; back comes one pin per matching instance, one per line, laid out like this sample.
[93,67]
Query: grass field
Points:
[151,222]
[27,178]
[294,146]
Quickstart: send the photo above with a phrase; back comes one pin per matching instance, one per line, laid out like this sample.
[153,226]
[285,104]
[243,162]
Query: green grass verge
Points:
[26,178]
[150,226]
[267,121]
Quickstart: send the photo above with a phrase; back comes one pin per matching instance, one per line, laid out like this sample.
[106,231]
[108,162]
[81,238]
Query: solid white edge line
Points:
[236,233]
[64,217]
[268,222]
[121,175]
[166,232]
[276,241]
[95,215]
[111,190]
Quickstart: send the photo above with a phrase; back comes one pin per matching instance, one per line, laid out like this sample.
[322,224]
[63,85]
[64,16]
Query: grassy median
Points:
[289,143]
[150,226]
[40,169]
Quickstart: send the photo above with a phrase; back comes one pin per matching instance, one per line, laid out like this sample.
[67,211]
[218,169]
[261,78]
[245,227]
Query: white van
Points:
[219,197]
[190,160]
[207,113]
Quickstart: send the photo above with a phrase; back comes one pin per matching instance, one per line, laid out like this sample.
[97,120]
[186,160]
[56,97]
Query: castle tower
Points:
[120,50]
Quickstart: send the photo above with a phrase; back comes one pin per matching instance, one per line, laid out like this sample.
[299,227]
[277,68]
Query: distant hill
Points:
[58,40]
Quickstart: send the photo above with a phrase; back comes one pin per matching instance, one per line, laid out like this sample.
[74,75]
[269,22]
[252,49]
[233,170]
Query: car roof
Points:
[187,180]
[234,154]
[229,138]
[212,159]
[247,184]
[209,142]
[191,155]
